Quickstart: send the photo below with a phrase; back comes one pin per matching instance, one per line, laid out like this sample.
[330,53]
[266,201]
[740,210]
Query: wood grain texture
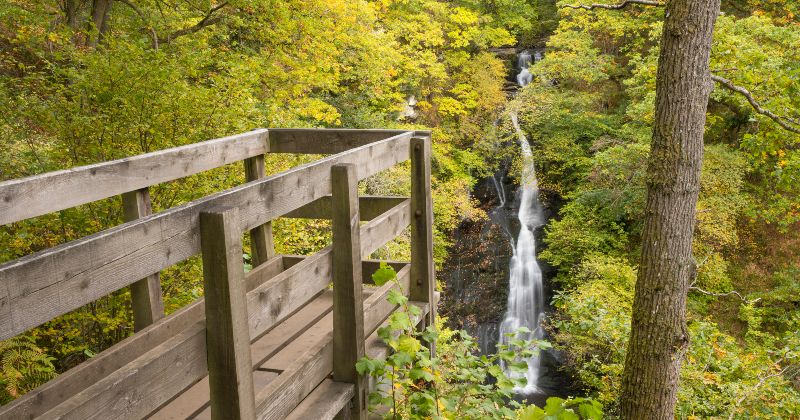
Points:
[370,207]
[423,281]
[261,242]
[41,286]
[33,196]
[66,385]
[282,395]
[144,384]
[146,300]
[230,374]
[324,141]
[348,303]
[324,402]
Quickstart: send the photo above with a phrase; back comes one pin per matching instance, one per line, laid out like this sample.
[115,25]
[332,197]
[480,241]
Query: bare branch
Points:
[732,292]
[618,6]
[785,122]
[208,20]
[144,18]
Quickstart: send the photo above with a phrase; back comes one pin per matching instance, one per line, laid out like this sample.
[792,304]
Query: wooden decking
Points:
[276,342]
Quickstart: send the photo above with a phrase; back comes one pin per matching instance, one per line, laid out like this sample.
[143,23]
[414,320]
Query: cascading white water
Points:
[524,77]
[526,292]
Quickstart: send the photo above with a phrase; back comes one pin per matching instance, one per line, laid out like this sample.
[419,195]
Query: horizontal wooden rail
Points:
[326,141]
[41,286]
[140,387]
[370,206]
[53,191]
[276,289]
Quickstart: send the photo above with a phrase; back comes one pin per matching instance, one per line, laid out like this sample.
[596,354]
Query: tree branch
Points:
[732,292]
[208,20]
[785,122]
[144,18]
[618,6]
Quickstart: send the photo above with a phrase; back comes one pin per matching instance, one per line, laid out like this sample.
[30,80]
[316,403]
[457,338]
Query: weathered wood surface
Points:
[146,301]
[196,399]
[370,206]
[154,378]
[324,402]
[168,358]
[41,194]
[38,401]
[422,276]
[324,141]
[261,243]
[33,288]
[227,337]
[302,375]
[348,299]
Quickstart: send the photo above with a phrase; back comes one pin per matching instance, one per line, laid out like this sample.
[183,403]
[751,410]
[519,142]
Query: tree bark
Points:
[100,12]
[659,337]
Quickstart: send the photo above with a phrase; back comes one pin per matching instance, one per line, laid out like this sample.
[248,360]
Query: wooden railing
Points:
[245,319]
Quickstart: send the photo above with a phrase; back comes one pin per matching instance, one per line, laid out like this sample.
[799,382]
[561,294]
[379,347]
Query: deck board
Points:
[195,399]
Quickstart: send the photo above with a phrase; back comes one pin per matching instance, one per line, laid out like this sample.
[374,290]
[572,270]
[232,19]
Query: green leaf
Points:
[396,298]
[384,274]
[408,344]
[417,374]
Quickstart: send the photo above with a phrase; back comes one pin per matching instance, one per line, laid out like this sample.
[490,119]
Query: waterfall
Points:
[526,292]
[524,77]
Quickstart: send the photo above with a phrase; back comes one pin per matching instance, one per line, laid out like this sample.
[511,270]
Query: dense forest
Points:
[85,81]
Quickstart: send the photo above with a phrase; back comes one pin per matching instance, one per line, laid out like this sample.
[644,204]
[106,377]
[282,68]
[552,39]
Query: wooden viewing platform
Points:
[275,342]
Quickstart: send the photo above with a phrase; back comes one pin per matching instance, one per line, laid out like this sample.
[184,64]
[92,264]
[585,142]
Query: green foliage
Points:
[742,356]
[23,367]
[560,409]
[456,383]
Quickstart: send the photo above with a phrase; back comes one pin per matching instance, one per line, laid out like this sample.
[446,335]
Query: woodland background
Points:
[83,81]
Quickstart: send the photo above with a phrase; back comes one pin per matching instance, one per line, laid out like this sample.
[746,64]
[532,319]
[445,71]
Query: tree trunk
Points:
[659,337]
[100,12]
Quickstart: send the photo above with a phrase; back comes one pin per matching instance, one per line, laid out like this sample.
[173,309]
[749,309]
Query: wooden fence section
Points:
[276,331]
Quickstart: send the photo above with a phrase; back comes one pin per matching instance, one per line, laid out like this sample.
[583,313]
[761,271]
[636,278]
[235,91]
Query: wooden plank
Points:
[33,288]
[324,402]
[307,370]
[368,267]
[423,281]
[260,380]
[324,141]
[146,300]
[348,300]
[262,247]
[53,191]
[382,229]
[370,207]
[196,398]
[286,292]
[281,295]
[228,342]
[91,372]
[66,385]
[143,385]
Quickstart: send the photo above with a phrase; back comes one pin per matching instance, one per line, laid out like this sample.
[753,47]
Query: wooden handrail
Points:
[36,195]
[138,371]
[49,283]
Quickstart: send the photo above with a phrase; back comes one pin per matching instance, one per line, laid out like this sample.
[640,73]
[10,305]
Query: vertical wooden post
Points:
[146,300]
[348,302]
[422,277]
[262,246]
[230,372]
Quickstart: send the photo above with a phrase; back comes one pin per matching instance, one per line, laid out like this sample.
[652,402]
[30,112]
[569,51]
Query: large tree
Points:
[658,335]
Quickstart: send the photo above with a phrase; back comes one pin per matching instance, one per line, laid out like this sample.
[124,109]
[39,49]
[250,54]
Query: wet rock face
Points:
[475,274]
